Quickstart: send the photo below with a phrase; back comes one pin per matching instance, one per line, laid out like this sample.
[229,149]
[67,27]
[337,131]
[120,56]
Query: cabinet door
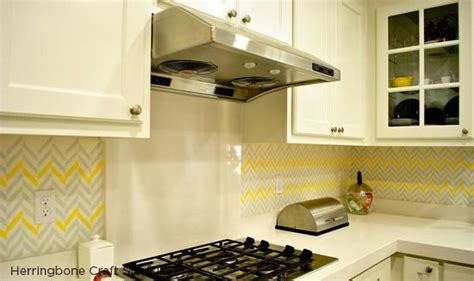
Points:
[420,270]
[217,8]
[424,59]
[458,273]
[86,60]
[380,272]
[314,33]
[270,17]
[349,98]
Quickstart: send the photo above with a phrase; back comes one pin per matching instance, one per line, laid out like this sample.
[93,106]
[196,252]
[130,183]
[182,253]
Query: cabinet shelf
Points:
[441,86]
[403,89]
[404,50]
[441,44]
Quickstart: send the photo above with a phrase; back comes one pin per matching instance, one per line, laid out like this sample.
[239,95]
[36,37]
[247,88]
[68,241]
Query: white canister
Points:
[96,257]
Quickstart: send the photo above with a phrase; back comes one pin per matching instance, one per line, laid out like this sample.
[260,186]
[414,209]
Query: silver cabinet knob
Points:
[340,130]
[428,269]
[333,129]
[232,13]
[246,19]
[465,131]
[136,109]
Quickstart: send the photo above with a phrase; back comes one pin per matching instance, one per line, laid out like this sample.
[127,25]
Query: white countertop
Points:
[372,238]
[365,242]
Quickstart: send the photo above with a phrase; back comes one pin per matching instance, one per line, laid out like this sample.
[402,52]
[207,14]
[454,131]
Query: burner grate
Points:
[228,260]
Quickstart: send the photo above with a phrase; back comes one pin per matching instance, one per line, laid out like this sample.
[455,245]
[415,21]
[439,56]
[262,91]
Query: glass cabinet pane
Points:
[442,106]
[403,69]
[442,65]
[404,108]
[441,24]
[403,30]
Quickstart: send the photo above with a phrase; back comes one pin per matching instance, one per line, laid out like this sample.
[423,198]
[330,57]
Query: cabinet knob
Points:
[246,19]
[340,130]
[465,131]
[428,269]
[333,129]
[136,109]
[232,13]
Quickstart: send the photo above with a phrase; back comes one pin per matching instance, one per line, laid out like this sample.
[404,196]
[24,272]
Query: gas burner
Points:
[255,82]
[168,269]
[224,258]
[227,260]
[267,267]
[188,67]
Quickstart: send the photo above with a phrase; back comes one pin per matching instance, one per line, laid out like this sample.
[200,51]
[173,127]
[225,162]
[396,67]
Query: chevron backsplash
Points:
[275,175]
[74,168]
[441,175]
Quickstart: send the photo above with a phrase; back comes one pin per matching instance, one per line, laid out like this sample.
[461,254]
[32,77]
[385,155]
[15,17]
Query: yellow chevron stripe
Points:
[260,193]
[19,218]
[76,213]
[423,163]
[61,225]
[63,178]
[425,187]
[270,163]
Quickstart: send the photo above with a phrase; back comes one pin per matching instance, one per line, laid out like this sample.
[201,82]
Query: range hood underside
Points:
[230,67]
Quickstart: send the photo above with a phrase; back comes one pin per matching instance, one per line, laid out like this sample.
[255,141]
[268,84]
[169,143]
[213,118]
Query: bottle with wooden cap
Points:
[359,197]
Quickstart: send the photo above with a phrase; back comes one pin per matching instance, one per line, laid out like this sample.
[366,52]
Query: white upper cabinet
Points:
[272,18]
[424,70]
[326,113]
[224,9]
[75,67]
[349,96]
[313,30]
[335,32]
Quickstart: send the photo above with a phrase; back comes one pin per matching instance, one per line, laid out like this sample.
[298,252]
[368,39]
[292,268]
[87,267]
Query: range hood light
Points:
[250,65]
[274,71]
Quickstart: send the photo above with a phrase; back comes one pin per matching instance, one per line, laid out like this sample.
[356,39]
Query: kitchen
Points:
[190,170]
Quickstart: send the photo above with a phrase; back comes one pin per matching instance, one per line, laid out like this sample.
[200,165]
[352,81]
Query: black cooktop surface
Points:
[227,260]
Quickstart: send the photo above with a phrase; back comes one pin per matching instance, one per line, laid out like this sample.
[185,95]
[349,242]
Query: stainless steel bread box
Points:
[313,217]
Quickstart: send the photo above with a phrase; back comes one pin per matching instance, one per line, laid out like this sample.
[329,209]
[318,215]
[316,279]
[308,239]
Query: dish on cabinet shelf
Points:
[402,81]
[408,108]
[434,116]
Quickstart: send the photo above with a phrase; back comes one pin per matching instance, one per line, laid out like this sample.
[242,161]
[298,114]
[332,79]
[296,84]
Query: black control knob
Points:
[249,241]
[288,251]
[264,245]
[306,255]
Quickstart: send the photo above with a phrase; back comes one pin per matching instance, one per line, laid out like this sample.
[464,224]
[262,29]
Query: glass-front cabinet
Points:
[424,70]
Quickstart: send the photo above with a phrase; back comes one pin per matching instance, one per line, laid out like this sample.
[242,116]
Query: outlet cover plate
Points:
[45,206]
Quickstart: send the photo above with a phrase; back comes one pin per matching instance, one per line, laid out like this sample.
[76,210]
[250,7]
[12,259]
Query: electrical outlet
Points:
[45,206]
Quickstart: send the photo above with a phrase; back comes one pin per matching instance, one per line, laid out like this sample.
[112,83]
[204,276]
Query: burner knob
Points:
[288,251]
[264,245]
[306,254]
[249,241]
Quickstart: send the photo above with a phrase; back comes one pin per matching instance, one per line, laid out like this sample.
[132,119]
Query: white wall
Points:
[179,188]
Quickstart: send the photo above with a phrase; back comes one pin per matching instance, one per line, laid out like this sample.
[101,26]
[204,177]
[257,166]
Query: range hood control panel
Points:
[322,69]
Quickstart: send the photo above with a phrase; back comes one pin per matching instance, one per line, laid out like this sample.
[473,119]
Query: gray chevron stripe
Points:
[439,175]
[36,153]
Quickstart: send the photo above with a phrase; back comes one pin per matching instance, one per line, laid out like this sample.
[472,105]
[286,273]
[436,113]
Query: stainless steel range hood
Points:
[197,54]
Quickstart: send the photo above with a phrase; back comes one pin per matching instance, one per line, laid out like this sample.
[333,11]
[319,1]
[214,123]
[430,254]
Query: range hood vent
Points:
[197,54]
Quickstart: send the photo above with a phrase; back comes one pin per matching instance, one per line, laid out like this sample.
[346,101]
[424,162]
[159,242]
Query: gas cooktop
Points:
[227,260]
